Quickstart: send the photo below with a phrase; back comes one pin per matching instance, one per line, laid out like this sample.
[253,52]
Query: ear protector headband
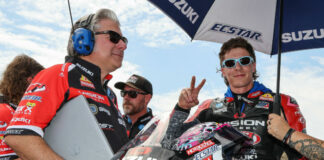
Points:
[83,38]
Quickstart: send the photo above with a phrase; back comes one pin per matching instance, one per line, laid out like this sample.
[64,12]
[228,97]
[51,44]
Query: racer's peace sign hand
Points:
[189,96]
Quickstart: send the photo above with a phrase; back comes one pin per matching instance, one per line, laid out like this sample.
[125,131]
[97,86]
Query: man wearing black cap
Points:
[137,93]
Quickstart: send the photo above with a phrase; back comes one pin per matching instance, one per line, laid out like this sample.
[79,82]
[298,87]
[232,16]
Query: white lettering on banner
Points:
[186,10]
[303,35]
[237,31]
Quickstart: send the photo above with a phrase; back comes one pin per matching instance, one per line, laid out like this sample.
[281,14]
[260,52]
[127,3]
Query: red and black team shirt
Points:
[53,87]
[6,113]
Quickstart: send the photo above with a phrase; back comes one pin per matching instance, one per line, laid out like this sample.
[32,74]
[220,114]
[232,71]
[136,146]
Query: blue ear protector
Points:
[83,38]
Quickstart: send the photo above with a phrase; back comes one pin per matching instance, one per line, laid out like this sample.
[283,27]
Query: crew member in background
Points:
[137,93]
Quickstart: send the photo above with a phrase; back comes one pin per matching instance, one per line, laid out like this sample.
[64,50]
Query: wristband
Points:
[288,134]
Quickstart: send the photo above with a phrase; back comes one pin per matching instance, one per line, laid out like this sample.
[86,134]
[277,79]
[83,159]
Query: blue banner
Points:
[188,14]
[303,25]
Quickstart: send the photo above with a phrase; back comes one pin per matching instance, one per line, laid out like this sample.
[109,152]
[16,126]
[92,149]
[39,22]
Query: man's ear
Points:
[222,70]
[147,98]
[29,79]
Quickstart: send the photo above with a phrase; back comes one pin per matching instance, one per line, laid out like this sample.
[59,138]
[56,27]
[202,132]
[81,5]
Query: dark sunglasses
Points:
[230,63]
[113,36]
[131,94]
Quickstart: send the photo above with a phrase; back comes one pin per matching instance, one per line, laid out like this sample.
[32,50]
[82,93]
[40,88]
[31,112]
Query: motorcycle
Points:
[204,141]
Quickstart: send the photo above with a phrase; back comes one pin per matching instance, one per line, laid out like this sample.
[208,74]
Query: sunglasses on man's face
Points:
[243,61]
[113,36]
[131,94]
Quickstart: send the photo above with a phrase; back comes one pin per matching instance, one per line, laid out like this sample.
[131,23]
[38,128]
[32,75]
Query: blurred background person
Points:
[137,92]
[15,80]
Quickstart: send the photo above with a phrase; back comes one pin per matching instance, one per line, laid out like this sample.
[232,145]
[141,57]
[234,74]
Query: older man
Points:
[137,92]
[96,48]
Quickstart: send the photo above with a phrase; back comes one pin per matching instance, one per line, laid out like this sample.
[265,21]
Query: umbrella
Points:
[300,24]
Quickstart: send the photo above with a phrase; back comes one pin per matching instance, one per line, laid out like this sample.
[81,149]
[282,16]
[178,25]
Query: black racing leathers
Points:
[248,113]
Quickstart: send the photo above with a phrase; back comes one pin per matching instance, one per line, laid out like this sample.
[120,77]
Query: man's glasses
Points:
[230,63]
[113,36]
[131,94]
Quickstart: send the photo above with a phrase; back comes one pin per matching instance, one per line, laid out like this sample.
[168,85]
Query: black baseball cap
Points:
[138,82]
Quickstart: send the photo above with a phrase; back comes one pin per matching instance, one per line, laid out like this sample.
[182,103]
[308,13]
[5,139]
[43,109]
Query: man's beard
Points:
[131,109]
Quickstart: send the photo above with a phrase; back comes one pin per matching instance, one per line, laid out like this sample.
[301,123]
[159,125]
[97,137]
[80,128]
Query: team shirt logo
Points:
[35,87]
[266,97]
[85,82]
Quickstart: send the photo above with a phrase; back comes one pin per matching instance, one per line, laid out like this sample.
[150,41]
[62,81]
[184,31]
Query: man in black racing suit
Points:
[245,106]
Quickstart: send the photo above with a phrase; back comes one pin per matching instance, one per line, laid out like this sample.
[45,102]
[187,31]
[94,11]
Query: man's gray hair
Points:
[90,22]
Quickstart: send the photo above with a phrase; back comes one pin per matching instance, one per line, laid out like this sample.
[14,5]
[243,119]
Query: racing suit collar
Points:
[90,68]
[257,86]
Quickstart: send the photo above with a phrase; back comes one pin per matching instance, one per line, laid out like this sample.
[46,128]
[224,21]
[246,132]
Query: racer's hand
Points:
[277,126]
[189,96]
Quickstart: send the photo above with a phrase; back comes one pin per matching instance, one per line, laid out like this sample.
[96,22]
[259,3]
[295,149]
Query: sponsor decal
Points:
[229,99]
[262,104]
[255,137]
[93,108]
[3,124]
[204,145]
[36,87]
[255,94]
[242,115]
[2,139]
[311,34]
[14,131]
[84,69]
[19,109]
[29,107]
[248,157]
[93,96]
[266,97]
[132,79]
[224,109]
[219,105]
[24,120]
[102,109]
[29,97]
[247,124]
[237,31]
[207,152]
[186,10]
[105,125]
[85,82]
[121,122]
